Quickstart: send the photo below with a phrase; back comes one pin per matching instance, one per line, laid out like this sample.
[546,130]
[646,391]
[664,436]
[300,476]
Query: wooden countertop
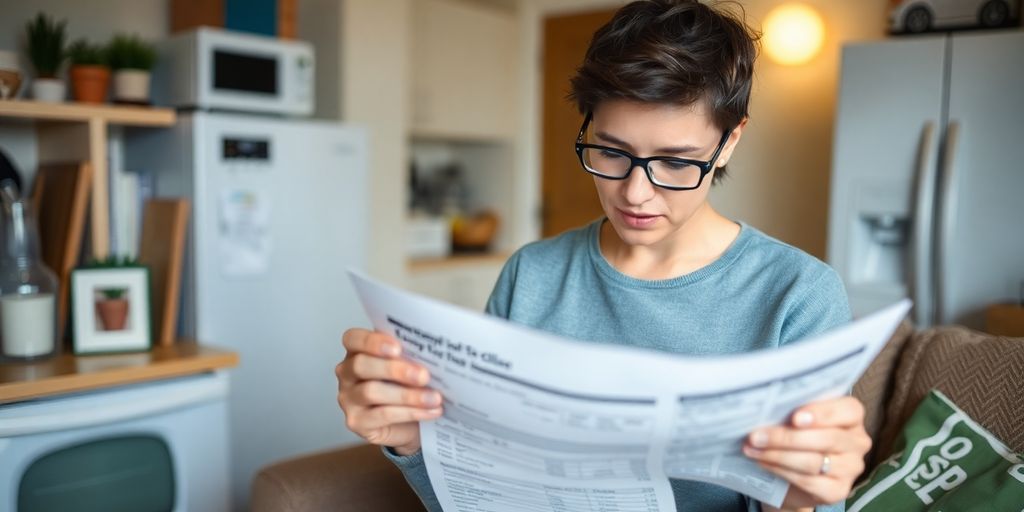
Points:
[458,260]
[68,373]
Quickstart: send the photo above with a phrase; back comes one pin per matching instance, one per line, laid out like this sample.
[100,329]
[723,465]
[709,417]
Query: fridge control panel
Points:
[239,149]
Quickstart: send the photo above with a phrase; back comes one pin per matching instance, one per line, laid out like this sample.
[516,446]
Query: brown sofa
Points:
[982,374]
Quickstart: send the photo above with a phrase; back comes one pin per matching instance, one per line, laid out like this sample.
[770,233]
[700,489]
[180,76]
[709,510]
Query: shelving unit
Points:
[68,373]
[464,90]
[457,260]
[78,132]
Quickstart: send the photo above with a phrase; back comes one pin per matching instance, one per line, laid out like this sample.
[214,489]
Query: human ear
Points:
[730,145]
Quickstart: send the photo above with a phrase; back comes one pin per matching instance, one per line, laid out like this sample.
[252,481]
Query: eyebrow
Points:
[672,150]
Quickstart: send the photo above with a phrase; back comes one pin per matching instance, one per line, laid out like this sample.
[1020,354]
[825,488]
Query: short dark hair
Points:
[675,52]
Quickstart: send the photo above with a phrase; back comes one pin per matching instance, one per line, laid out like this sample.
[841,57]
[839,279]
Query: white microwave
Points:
[212,69]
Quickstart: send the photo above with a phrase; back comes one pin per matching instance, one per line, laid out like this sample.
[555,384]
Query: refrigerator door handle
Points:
[947,221]
[921,234]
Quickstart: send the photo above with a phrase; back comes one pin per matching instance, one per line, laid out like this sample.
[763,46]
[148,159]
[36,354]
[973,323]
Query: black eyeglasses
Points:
[663,171]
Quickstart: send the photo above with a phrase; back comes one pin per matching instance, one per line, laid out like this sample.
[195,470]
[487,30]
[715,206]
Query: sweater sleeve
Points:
[499,304]
[414,469]
[821,305]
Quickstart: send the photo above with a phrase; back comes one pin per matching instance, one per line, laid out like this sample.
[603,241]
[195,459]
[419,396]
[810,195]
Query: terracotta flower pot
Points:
[89,84]
[113,313]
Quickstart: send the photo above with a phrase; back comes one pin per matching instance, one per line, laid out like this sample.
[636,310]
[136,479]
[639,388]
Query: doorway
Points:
[568,196]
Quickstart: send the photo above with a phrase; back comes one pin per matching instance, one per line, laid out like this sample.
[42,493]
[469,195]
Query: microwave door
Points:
[245,75]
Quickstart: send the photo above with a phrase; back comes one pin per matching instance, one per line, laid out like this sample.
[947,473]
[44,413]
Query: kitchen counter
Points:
[68,373]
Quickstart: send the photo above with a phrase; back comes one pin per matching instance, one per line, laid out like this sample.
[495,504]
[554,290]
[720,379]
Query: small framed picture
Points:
[110,309]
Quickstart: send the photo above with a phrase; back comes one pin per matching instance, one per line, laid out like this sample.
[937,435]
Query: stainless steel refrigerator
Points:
[279,212]
[927,189]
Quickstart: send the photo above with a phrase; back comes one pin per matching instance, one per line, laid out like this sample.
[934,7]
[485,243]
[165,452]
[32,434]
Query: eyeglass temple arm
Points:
[583,128]
[721,146]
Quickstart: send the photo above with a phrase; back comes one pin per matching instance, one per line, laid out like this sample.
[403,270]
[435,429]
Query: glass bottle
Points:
[28,288]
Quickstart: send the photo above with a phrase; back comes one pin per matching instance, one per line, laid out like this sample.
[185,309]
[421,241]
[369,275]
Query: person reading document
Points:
[664,90]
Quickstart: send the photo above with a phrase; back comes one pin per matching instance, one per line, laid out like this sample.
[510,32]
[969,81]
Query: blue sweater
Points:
[760,294]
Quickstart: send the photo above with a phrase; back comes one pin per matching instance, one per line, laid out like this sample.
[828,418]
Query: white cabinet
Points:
[466,284]
[464,86]
[464,70]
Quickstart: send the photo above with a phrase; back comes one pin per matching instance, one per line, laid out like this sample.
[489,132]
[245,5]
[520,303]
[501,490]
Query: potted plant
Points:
[131,58]
[90,73]
[113,309]
[112,305]
[45,39]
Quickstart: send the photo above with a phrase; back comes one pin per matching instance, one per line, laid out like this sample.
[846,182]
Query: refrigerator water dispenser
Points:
[880,248]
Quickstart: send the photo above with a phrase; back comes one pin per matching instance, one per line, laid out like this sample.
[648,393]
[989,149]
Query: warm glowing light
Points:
[793,34]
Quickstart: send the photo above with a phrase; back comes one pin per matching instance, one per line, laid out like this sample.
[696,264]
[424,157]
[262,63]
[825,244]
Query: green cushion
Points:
[944,461]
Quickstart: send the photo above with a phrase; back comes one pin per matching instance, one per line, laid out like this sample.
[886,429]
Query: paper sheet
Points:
[537,422]
[243,237]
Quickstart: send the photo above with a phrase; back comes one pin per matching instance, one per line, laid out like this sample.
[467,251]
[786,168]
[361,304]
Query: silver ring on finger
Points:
[826,465]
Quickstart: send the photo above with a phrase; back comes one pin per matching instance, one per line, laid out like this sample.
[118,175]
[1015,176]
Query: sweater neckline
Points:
[731,254]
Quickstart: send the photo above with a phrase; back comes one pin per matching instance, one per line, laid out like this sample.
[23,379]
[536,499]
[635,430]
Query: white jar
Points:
[28,287]
[10,75]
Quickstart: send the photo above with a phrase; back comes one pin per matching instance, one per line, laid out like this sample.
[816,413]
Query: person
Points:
[664,91]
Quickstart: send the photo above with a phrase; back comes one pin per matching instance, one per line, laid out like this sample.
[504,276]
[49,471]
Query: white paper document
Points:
[535,422]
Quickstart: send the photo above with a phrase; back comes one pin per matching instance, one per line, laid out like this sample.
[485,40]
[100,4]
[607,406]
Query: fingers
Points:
[388,415]
[366,367]
[375,393]
[845,411]
[371,342]
[820,488]
[808,463]
[822,440]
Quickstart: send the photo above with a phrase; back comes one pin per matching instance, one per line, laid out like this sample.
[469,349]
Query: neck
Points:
[692,246]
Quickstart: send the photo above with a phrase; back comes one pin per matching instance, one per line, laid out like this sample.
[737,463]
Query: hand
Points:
[383,395]
[797,451]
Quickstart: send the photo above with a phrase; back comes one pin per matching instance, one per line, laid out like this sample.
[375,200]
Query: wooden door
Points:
[569,199]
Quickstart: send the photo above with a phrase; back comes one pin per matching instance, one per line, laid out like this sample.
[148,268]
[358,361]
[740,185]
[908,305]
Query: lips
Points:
[637,219]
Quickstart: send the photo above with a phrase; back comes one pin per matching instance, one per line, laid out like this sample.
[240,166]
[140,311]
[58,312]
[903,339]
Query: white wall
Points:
[374,92]
[779,174]
[319,22]
[96,20]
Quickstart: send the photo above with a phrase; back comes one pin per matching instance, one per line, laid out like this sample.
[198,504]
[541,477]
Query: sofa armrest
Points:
[355,479]
[982,374]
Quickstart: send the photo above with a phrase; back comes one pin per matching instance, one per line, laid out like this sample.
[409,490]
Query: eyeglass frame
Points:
[705,166]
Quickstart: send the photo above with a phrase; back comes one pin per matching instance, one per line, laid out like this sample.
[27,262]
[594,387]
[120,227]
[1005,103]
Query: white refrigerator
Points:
[927,190]
[279,212]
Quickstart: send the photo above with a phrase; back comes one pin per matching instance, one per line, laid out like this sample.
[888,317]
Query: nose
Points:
[637,188]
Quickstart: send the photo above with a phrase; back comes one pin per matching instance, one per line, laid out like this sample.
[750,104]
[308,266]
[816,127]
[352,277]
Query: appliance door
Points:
[890,100]
[280,214]
[980,236]
[187,415]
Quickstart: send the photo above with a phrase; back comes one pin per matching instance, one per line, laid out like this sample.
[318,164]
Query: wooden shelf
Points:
[457,260]
[68,373]
[77,132]
[121,115]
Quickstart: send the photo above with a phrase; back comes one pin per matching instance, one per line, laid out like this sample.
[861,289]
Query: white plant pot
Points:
[51,90]
[131,86]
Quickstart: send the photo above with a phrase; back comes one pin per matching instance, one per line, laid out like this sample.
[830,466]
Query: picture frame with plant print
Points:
[110,307]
